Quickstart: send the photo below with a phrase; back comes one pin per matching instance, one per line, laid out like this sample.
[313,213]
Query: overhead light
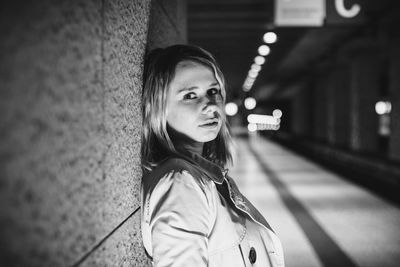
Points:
[250,103]
[250,79]
[252,127]
[259,60]
[383,107]
[231,109]
[264,50]
[256,67]
[270,37]
[246,88]
[253,74]
[248,83]
[277,113]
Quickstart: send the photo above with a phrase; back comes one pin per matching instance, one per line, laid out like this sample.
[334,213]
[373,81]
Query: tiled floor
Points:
[322,219]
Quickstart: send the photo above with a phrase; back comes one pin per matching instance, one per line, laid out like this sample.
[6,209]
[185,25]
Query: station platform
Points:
[321,218]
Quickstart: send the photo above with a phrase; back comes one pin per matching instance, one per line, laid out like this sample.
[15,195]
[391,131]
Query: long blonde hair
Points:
[159,71]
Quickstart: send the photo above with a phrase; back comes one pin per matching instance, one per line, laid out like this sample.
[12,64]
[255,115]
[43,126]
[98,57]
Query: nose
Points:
[209,105]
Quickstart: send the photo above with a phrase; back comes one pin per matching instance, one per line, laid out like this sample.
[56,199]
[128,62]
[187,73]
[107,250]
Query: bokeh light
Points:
[270,37]
[264,50]
[250,103]
[231,109]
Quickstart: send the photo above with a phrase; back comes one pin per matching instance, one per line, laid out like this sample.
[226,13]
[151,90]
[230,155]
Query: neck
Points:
[193,147]
[184,143]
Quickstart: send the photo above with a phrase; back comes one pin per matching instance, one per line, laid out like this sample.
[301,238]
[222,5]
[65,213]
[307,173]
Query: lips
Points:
[210,123]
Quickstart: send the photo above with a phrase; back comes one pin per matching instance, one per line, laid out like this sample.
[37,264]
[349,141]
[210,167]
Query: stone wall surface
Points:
[70,81]
[122,248]
[167,23]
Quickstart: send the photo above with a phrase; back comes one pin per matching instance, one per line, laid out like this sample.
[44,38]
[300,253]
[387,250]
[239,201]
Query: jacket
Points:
[194,215]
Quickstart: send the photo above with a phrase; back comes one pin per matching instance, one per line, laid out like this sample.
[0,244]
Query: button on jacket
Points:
[194,215]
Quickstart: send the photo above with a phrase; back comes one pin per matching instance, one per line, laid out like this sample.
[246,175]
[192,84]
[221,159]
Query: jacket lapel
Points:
[243,204]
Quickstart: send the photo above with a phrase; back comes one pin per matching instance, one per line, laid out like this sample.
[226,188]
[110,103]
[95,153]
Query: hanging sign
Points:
[316,13]
[299,13]
[344,12]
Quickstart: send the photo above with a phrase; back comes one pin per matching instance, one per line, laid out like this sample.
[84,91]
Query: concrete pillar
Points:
[298,116]
[70,86]
[167,23]
[320,106]
[394,93]
[341,99]
[364,92]
[301,110]
[331,107]
[391,39]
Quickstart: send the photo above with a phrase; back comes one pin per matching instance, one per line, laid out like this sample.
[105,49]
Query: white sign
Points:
[302,13]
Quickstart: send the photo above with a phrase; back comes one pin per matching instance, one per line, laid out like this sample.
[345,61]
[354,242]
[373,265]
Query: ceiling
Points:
[232,31]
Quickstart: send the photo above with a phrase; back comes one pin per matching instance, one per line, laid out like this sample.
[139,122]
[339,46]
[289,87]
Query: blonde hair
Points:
[159,71]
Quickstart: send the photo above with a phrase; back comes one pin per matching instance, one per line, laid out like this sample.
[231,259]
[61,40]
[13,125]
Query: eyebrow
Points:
[195,87]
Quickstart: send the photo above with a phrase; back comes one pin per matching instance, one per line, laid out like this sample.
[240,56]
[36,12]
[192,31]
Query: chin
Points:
[207,138]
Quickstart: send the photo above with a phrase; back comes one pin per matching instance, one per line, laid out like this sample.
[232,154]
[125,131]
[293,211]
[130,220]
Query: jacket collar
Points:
[214,171]
[218,175]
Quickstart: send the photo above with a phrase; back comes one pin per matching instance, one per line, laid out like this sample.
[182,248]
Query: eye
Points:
[190,95]
[214,91]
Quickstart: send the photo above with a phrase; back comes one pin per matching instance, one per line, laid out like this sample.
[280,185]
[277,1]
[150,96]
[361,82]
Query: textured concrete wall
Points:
[70,75]
[167,23]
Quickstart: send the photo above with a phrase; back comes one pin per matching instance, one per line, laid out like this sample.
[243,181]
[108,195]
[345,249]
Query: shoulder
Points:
[172,171]
[175,167]
[176,184]
[177,189]
[172,164]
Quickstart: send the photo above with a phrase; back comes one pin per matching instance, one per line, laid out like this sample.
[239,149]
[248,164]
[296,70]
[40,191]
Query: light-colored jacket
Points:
[194,215]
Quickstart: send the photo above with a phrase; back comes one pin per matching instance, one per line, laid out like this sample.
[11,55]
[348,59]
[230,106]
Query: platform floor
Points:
[321,218]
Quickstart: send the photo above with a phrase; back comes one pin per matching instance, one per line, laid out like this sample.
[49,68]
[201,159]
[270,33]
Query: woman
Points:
[192,212]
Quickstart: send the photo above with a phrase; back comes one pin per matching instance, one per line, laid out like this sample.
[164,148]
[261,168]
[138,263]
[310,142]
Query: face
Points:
[194,102]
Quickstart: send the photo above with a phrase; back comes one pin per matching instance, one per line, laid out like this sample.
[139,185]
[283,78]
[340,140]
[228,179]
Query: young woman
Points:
[192,212]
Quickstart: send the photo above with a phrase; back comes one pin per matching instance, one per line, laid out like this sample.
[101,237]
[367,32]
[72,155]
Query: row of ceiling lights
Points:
[250,103]
[263,51]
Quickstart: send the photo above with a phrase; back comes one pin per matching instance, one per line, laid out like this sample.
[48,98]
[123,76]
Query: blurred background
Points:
[313,101]
[329,66]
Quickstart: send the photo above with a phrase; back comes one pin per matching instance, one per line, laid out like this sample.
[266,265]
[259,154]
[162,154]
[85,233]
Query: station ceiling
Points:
[232,31]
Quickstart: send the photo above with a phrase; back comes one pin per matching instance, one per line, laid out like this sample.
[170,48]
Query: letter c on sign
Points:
[347,13]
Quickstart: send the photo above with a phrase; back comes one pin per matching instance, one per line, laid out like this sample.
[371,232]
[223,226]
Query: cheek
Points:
[180,115]
[173,118]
